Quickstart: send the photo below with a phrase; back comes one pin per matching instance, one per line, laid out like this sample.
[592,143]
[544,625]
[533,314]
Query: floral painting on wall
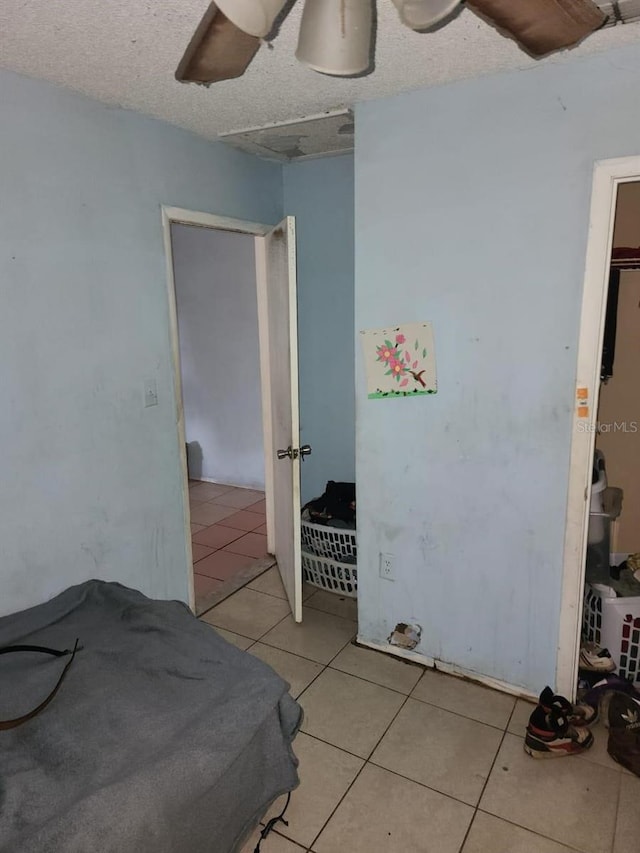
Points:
[400,361]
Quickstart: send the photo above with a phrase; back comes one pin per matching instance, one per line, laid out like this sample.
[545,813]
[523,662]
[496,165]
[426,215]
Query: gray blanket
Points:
[163,736]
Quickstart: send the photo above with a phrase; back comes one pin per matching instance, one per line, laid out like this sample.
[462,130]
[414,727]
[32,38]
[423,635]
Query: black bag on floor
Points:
[624,731]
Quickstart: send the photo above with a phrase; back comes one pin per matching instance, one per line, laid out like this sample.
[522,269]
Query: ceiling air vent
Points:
[317,136]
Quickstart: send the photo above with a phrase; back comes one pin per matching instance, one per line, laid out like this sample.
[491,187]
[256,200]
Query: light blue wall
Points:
[472,205]
[320,194]
[217,301]
[90,483]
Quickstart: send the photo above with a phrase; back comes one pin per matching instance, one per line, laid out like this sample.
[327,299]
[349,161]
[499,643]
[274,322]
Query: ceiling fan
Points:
[336,35]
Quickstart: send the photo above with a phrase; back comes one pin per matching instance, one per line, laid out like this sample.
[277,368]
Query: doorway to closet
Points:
[601,589]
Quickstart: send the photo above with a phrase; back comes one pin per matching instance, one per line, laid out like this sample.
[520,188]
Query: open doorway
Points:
[217,311]
[601,591]
[274,250]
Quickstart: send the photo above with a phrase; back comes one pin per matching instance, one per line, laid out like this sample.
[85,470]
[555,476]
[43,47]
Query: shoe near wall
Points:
[557,728]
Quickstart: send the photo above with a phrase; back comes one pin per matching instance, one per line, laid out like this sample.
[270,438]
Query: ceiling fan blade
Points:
[542,26]
[217,51]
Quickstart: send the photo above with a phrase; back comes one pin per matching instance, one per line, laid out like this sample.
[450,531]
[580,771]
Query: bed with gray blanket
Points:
[163,737]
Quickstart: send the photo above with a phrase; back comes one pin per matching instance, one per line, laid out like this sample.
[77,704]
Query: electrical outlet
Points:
[387,567]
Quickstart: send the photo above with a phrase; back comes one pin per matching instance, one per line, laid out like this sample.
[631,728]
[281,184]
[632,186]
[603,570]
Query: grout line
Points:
[615,820]
[564,844]
[458,714]
[484,787]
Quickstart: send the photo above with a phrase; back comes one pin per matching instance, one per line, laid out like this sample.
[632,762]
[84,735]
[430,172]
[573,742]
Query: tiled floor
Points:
[228,533]
[395,759]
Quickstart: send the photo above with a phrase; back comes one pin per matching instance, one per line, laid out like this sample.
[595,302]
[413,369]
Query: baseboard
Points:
[450,669]
[256,488]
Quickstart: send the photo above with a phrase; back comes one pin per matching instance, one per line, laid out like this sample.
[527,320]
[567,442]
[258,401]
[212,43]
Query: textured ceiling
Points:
[125,52]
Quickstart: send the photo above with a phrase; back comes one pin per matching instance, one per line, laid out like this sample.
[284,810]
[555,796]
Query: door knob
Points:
[290,452]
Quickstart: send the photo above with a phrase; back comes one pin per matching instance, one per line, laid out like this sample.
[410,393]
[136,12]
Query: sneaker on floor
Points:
[595,659]
[551,735]
[581,714]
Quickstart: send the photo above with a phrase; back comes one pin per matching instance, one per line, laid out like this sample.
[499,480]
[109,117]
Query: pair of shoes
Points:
[595,659]
[557,728]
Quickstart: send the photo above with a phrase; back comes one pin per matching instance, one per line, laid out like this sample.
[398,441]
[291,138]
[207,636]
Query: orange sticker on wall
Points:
[583,411]
[582,393]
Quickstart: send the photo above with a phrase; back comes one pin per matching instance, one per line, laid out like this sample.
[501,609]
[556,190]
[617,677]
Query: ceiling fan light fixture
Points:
[423,14]
[335,36]
[255,17]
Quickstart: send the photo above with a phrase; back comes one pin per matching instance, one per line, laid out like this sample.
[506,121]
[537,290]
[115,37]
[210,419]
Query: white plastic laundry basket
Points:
[329,557]
[614,624]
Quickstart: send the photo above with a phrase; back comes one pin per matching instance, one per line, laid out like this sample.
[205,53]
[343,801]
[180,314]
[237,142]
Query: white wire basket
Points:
[330,575]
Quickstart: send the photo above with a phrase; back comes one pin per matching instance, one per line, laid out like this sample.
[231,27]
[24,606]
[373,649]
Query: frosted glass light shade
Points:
[335,36]
[422,14]
[255,17]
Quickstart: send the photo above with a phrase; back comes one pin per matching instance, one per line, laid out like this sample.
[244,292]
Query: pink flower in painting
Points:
[404,382]
[387,354]
[396,367]
[400,339]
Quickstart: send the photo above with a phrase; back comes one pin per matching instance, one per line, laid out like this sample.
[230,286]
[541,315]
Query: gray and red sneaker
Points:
[552,732]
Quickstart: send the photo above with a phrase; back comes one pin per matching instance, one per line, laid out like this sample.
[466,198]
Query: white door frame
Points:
[607,176]
[258,230]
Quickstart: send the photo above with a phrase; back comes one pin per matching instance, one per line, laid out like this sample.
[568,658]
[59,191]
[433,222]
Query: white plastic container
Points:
[597,530]
[614,624]
[329,558]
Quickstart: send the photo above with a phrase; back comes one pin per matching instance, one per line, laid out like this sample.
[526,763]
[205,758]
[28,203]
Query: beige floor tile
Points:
[464,697]
[447,752]
[248,613]
[273,843]
[308,590]
[240,498]
[319,637]
[520,717]
[598,752]
[269,583]
[208,491]
[627,839]
[299,672]
[569,800]
[338,605]
[325,775]
[378,667]
[383,813]
[489,833]
[210,513]
[241,642]
[348,712]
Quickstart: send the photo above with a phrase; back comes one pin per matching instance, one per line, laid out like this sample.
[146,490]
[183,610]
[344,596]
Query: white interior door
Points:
[278,327]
